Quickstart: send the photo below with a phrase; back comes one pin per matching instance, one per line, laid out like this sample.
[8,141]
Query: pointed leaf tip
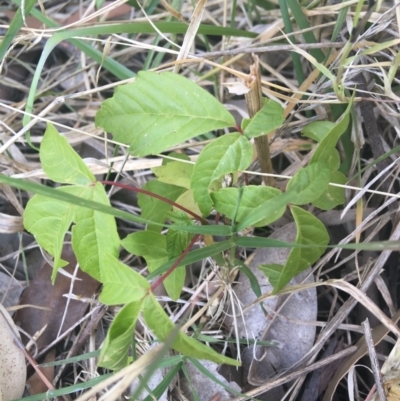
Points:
[60,161]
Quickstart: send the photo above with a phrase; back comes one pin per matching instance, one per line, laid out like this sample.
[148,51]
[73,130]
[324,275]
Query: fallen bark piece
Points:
[47,302]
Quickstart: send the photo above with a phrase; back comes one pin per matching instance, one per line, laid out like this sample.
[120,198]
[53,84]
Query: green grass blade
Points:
[66,390]
[257,242]
[16,24]
[289,29]
[208,374]
[76,200]
[302,22]
[78,358]
[159,390]
[193,257]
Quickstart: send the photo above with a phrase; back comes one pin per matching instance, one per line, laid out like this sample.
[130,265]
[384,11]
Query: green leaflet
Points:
[268,118]
[310,231]
[155,209]
[48,220]
[187,200]
[328,134]
[121,283]
[318,130]
[60,162]
[333,196]
[165,330]
[177,242]
[326,150]
[310,183]
[226,201]
[175,173]
[94,234]
[160,110]
[157,249]
[180,218]
[114,352]
[266,210]
[150,245]
[226,154]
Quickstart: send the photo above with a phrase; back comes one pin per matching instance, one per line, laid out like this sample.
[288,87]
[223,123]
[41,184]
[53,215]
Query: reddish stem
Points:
[239,129]
[152,194]
[175,265]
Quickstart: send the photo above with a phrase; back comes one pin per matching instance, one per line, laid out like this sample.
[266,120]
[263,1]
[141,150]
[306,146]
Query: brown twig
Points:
[254,103]
[374,360]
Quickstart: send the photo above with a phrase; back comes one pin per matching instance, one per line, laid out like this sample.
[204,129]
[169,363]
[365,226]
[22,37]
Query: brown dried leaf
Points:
[43,294]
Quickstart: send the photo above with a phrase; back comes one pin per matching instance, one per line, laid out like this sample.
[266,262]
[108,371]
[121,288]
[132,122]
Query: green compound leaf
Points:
[94,234]
[114,352]
[48,220]
[121,283]
[154,209]
[160,110]
[333,196]
[310,231]
[150,245]
[159,322]
[175,173]
[268,118]
[318,130]
[326,150]
[310,183]
[226,154]
[226,202]
[60,162]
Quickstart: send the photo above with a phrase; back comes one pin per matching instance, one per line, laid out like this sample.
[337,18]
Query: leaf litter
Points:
[335,309]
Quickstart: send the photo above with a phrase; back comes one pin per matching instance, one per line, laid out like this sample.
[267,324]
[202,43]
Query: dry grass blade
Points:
[374,360]
[124,377]
[254,103]
[378,334]
[291,376]
[191,32]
